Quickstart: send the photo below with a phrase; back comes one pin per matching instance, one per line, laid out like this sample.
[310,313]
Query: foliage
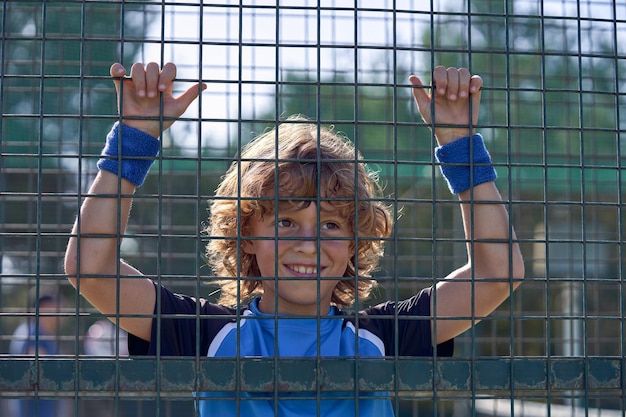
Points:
[549,117]
[57,101]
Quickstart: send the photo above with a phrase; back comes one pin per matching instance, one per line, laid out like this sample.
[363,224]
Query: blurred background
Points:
[553,116]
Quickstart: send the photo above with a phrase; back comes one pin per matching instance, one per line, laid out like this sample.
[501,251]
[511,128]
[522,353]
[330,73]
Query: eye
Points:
[330,226]
[284,223]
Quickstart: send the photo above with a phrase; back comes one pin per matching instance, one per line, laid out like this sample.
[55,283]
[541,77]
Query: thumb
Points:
[476,84]
[117,71]
[192,93]
[422,98]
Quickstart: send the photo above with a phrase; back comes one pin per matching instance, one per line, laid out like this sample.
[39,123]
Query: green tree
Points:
[55,90]
[550,112]
[550,89]
[56,103]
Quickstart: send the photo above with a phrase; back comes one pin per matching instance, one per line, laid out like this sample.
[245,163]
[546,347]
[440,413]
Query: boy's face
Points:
[295,255]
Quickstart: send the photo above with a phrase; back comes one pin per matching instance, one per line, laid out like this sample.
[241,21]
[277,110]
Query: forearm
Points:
[492,246]
[494,268]
[93,245]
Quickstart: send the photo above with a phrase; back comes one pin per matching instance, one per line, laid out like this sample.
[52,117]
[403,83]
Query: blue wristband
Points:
[135,143]
[455,163]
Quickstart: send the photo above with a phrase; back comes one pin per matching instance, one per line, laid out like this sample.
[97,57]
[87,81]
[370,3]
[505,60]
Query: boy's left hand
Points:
[450,115]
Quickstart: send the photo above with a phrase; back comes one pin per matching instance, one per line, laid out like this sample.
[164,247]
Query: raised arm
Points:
[91,259]
[495,265]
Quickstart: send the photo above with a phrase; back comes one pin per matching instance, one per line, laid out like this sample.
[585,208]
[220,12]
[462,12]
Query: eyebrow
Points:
[299,204]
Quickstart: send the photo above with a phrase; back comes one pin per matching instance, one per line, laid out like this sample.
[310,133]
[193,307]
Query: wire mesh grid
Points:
[552,116]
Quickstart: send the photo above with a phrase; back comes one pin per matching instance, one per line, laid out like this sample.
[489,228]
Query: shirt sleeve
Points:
[412,335]
[183,326]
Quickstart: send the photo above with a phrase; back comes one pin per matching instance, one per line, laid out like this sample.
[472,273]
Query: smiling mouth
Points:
[303,269]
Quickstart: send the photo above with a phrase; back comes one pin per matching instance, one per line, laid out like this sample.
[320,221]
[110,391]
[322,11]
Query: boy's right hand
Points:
[139,100]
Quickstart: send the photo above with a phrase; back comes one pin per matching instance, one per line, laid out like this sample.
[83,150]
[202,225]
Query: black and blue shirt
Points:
[388,329]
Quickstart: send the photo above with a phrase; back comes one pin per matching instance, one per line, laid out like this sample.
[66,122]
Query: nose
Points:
[306,240]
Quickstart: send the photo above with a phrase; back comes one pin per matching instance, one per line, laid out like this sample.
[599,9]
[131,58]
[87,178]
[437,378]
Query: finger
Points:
[168,74]
[464,82]
[419,91]
[422,99]
[453,83]
[440,80]
[117,71]
[476,84]
[138,74]
[186,98]
[152,79]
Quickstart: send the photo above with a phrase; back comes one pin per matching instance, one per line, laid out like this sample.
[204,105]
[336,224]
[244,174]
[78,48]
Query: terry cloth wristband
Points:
[455,163]
[134,143]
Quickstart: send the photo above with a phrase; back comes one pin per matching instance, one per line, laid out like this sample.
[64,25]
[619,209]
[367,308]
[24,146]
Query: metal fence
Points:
[553,115]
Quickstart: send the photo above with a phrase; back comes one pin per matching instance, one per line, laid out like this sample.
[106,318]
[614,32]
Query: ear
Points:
[248,247]
[352,250]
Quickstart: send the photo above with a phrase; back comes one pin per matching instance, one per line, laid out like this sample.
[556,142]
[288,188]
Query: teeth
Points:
[304,269]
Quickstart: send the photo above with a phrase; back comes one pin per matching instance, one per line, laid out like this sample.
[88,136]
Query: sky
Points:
[247,51]
[246,47]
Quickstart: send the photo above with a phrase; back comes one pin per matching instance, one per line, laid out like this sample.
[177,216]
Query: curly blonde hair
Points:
[289,161]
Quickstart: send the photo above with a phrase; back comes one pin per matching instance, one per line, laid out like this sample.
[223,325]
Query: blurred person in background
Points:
[38,336]
[102,340]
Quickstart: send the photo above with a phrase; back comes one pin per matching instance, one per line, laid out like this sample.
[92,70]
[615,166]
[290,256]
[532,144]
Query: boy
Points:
[298,230]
